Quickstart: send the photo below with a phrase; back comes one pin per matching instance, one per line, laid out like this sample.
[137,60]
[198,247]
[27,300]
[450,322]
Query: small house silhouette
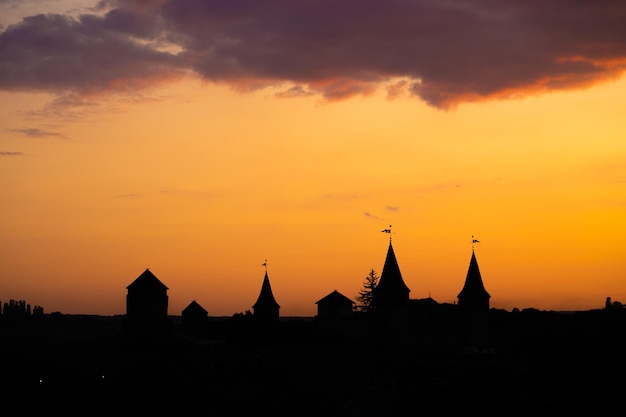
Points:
[195,319]
[334,305]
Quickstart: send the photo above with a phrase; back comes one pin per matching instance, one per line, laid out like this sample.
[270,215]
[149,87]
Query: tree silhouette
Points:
[365,298]
[20,309]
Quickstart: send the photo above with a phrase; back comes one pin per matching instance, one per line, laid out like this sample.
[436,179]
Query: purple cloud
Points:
[443,52]
[92,54]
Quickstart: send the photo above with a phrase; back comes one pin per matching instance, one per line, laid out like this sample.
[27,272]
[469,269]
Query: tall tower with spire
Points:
[474,306]
[391,289]
[473,296]
[266,308]
[390,302]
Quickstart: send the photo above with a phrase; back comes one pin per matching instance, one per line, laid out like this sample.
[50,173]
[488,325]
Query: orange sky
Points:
[202,184]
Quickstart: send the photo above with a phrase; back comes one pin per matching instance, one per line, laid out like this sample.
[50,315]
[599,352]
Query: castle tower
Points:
[266,308]
[390,301]
[474,307]
[391,291]
[146,306]
[473,296]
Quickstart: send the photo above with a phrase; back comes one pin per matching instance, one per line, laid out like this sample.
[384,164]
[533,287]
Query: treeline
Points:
[19,309]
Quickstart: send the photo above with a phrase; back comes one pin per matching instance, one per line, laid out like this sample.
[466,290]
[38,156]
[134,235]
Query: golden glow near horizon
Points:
[106,176]
[201,185]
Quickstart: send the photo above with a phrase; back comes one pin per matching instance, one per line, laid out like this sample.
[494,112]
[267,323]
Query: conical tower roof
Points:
[473,290]
[266,297]
[391,286]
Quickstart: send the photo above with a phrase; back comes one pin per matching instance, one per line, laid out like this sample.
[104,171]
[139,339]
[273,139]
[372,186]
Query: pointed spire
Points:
[473,293]
[391,287]
[266,305]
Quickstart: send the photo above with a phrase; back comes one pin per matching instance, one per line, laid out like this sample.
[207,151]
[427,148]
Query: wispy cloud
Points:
[442,52]
[37,133]
[67,106]
[295,91]
[371,216]
[9,153]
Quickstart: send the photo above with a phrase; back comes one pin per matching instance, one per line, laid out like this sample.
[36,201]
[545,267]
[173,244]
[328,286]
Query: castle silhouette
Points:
[395,320]
[463,358]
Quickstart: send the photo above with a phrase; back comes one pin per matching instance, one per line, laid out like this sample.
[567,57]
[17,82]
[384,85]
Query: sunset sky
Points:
[201,138]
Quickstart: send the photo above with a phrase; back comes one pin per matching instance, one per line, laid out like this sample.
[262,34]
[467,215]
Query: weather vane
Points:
[387,231]
[265,265]
[474,241]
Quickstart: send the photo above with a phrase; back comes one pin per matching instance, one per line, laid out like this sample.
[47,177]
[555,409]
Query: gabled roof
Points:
[391,283]
[335,297]
[266,297]
[194,308]
[147,280]
[473,287]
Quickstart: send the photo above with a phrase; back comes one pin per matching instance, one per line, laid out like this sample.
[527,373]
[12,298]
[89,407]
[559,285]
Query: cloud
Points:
[58,53]
[444,52]
[371,216]
[36,133]
[9,153]
[295,91]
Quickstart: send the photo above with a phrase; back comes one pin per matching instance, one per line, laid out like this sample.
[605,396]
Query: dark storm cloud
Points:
[444,52]
[58,53]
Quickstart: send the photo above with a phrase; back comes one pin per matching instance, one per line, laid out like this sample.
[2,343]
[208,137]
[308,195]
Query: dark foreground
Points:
[540,363]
